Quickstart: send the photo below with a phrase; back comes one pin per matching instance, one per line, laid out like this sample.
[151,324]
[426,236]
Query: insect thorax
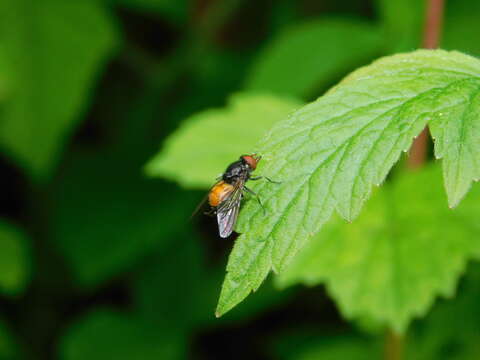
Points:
[235,171]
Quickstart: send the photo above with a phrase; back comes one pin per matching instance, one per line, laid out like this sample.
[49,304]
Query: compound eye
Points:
[251,160]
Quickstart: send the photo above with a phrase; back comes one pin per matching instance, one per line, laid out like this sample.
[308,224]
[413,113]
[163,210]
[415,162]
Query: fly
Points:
[226,195]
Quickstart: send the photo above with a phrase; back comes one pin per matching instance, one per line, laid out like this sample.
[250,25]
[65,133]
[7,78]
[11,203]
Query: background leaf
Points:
[461,28]
[14,259]
[187,156]
[402,23]
[103,227]
[53,51]
[310,55]
[110,334]
[386,265]
[431,339]
[329,154]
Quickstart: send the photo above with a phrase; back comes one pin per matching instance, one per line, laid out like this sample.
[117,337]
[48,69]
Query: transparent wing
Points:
[227,211]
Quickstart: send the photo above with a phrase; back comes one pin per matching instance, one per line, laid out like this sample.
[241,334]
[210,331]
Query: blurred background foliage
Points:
[100,261]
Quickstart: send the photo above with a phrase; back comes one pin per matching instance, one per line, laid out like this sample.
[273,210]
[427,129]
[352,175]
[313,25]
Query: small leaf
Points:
[329,153]
[208,141]
[388,265]
[14,259]
[53,49]
[309,56]
[108,334]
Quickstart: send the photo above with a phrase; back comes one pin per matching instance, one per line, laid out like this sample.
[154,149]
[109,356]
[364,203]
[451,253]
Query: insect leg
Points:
[211,212]
[256,195]
[273,181]
[268,179]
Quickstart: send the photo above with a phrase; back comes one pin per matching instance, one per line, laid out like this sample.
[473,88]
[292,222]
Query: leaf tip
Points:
[454,198]
[220,311]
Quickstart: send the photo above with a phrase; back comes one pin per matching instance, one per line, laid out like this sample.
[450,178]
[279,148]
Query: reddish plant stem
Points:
[431,40]
[394,342]
[433,24]
[418,150]
[393,346]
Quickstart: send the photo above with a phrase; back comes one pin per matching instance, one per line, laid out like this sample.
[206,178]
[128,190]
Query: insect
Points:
[226,195]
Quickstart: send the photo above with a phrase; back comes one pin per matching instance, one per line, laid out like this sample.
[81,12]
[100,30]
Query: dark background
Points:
[102,262]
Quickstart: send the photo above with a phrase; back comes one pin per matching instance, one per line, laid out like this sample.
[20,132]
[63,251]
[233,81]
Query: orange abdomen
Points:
[219,193]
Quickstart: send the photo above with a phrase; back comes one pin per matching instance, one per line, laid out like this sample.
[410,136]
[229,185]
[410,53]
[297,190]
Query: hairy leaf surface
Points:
[331,152]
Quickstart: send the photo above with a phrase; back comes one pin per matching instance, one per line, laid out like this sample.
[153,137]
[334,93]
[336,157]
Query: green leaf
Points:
[14,259]
[53,51]
[404,249]
[402,23]
[212,80]
[456,128]
[461,26]
[329,153]
[208,141]
[308,56]
[452,329]
[103,227]
[108,334]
